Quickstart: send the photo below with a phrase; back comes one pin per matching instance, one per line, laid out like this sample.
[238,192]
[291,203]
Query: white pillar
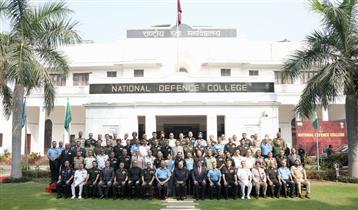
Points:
[233,125]
[132,124]
[41,129]
[211,125]
[325,114]
[150,124]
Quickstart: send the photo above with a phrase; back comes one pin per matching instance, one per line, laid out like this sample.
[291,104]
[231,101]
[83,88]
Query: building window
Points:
[183,70]
[111,74]
[253,72]
[225,72]
[279,79]
[80,79]
[58,79]
[307,75]
[138,73]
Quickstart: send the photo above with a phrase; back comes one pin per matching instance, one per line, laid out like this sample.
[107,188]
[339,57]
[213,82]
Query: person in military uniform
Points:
[180,176]
[118,150]
[113,162]
[162,175]
[53,155]
[154,137]
[162,140]
[81,139]
[188,148]
[230,147]
[155,147]
[147,181]
[246,140]
[126,159]
[243,147]
[280,141]
[220,159]
[91,140]
[230,180]
[273,180]
[214,177]
[259,179]
[90,188]
[63,184]
[107,175]
[108,148]
[190,139]
[134,178]
[120,180]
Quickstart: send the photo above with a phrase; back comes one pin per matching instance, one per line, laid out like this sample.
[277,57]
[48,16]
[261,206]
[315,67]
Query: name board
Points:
[329,133]
[184,31]
[197,87]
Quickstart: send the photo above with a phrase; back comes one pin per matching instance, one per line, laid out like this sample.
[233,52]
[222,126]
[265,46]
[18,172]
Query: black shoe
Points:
[178,198]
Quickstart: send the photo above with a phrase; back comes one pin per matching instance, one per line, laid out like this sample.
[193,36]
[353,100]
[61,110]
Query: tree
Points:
[28,54]
[333,52]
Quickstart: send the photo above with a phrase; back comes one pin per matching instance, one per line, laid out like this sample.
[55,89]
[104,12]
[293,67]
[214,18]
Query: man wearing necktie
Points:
[199,177]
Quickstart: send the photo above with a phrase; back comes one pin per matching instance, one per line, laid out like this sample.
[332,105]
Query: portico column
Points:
[150,124]
[325,114]
[211,125]
[41,129]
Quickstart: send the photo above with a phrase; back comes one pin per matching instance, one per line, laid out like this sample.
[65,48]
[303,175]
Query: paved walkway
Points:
[173,204]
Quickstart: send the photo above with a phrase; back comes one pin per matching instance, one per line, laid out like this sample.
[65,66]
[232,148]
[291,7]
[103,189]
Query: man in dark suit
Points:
[67,155]
[80,149]
[199,177]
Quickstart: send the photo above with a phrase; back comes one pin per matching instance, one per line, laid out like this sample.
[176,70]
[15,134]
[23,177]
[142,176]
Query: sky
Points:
[106,21]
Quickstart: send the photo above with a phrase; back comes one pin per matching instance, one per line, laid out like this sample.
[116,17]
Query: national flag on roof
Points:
[179,13]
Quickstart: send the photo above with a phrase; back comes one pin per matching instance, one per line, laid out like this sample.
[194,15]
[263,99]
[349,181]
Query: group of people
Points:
[161,167]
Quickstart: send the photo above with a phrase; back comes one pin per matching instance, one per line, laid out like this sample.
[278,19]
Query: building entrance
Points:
[181,124]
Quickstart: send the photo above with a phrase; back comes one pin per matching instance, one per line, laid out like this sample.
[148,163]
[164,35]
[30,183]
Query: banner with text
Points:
[196,87]
[329,132]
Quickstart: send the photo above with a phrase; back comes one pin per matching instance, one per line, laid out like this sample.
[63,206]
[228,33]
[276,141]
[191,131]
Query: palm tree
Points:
[333,52]
[28,54]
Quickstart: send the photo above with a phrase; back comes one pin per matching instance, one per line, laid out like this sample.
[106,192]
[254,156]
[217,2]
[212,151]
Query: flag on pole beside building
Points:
[315,121]
[179,13]
[23,116]
[68,117]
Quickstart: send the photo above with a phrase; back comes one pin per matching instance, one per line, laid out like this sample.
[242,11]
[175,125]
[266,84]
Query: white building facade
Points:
[206,80]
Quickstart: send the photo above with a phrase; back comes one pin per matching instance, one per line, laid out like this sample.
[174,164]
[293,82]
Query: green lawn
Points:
[32,195]
[325,195]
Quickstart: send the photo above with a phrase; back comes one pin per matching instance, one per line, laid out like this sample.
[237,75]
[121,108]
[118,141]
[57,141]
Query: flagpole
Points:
[317,145]
[177,69]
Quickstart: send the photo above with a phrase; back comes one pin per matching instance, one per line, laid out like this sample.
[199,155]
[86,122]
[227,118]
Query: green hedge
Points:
[330,175]
[16,180]
[35,173]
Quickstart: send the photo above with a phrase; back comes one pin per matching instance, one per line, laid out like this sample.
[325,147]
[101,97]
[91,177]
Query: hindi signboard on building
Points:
[329,132]
[196,87]
[185,31]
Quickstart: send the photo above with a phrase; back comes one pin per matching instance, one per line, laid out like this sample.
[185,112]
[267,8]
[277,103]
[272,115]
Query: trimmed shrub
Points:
[16,180]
